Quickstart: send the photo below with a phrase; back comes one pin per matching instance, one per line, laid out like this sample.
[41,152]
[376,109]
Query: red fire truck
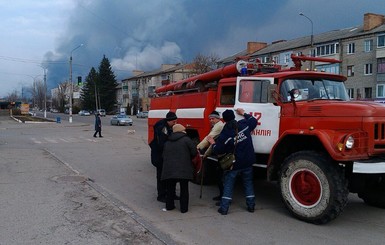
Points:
[311,138]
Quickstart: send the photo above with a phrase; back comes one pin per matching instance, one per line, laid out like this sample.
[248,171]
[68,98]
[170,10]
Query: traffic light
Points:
[79,80]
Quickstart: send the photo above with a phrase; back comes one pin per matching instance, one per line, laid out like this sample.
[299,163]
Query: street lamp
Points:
[72,86]
[311,38]
[45,91]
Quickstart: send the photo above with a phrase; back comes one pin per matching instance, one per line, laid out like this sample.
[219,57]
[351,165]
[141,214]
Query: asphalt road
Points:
[120,168]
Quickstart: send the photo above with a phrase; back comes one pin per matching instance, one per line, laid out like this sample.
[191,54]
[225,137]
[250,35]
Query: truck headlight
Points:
[349,143]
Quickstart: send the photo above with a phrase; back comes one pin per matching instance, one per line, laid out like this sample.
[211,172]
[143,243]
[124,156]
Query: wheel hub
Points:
[306,187]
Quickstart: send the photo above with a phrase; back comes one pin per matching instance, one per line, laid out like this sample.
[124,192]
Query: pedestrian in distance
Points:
[236,137]
[98,126]
[179,150]
[162,129]
[204,147]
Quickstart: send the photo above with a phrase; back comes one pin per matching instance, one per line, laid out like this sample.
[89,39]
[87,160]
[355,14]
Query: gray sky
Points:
[143,34]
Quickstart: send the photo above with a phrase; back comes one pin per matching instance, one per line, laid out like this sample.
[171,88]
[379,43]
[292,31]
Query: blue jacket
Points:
[244,150]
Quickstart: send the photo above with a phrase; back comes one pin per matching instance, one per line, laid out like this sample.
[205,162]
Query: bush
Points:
[16,111]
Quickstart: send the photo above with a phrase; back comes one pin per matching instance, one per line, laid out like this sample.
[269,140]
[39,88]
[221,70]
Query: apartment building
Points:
[361,50]
[135,92]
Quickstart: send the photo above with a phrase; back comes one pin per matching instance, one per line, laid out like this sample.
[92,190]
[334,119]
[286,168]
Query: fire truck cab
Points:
[309,135]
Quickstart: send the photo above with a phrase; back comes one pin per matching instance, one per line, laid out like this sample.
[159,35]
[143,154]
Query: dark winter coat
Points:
[177,157]
[161,133]
[98,123]
[244,150]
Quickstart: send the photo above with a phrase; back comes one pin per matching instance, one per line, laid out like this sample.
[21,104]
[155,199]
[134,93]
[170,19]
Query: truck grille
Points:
[379,135]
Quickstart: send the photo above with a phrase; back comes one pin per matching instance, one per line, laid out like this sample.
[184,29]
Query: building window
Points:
[350,71]
[368,93]
[381,41]
[330,68]
[350,92]
[287,59]
[380,90]
[368,69]
[350,48]
[381,65]
[368,45]
[276,59]
[328,49]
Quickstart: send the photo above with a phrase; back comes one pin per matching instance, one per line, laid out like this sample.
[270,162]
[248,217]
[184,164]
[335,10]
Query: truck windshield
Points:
[314,89]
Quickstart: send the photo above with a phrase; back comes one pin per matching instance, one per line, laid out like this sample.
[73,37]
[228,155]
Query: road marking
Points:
[36,141]
[50,140]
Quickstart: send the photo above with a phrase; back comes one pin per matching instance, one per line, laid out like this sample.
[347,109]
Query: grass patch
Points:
[32,119]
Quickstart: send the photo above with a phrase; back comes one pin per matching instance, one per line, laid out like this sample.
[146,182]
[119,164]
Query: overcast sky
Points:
[143,34]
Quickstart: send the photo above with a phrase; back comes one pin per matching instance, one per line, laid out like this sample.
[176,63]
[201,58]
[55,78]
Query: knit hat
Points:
[228,115]
[178,128]
[171,116]
[214,114]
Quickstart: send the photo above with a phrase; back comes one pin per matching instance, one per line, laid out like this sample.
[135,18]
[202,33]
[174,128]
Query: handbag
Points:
[226,161]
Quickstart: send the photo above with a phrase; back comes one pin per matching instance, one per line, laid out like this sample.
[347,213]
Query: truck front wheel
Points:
[313,188]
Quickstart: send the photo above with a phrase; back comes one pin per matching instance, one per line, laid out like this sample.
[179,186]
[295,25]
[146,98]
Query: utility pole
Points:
[71,84]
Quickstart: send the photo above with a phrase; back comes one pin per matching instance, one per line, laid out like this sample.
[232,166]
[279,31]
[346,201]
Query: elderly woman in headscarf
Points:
[178,152]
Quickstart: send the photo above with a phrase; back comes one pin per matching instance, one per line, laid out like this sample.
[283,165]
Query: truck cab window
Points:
[227,95]
[316,89]
[254,91]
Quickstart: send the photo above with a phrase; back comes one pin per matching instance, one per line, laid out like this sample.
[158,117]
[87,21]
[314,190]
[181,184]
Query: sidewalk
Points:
[42,201]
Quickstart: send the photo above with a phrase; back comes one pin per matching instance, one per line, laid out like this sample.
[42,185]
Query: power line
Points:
[23,60]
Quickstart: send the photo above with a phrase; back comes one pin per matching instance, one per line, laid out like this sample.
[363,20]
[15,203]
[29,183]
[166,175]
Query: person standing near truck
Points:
[178,151]
[236,137]
[162,130]
[204,148]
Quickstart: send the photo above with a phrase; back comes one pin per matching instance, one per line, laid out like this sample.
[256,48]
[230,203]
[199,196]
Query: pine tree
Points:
[106,84]
[87,95]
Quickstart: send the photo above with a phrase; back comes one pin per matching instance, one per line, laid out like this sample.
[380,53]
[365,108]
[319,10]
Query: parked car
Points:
[142,114]
[84,113]
[121,120]
[102,112]
[31,112]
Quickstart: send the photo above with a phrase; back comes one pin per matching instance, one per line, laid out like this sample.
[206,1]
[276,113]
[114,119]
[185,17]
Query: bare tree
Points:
[202,63]
[63,91]
[12,97]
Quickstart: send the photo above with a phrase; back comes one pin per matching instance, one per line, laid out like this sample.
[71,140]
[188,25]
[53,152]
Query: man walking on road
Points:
[98,125]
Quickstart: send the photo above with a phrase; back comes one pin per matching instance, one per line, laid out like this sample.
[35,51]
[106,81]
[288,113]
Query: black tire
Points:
[374,191]
[118,123]
[313,188]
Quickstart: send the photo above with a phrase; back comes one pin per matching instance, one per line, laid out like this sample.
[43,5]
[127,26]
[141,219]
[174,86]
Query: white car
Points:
[142,114]
[84,113]
[121,120]
[102,112]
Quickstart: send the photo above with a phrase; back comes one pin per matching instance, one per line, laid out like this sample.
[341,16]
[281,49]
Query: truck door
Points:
[252,94]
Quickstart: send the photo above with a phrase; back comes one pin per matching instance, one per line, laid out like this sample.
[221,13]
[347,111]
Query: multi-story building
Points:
[361,50]
[141,87]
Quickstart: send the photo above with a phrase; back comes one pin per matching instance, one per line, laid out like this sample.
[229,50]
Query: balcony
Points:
[380,53]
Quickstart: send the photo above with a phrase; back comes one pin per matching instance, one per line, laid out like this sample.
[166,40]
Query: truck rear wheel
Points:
[374,191]
[312,188]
